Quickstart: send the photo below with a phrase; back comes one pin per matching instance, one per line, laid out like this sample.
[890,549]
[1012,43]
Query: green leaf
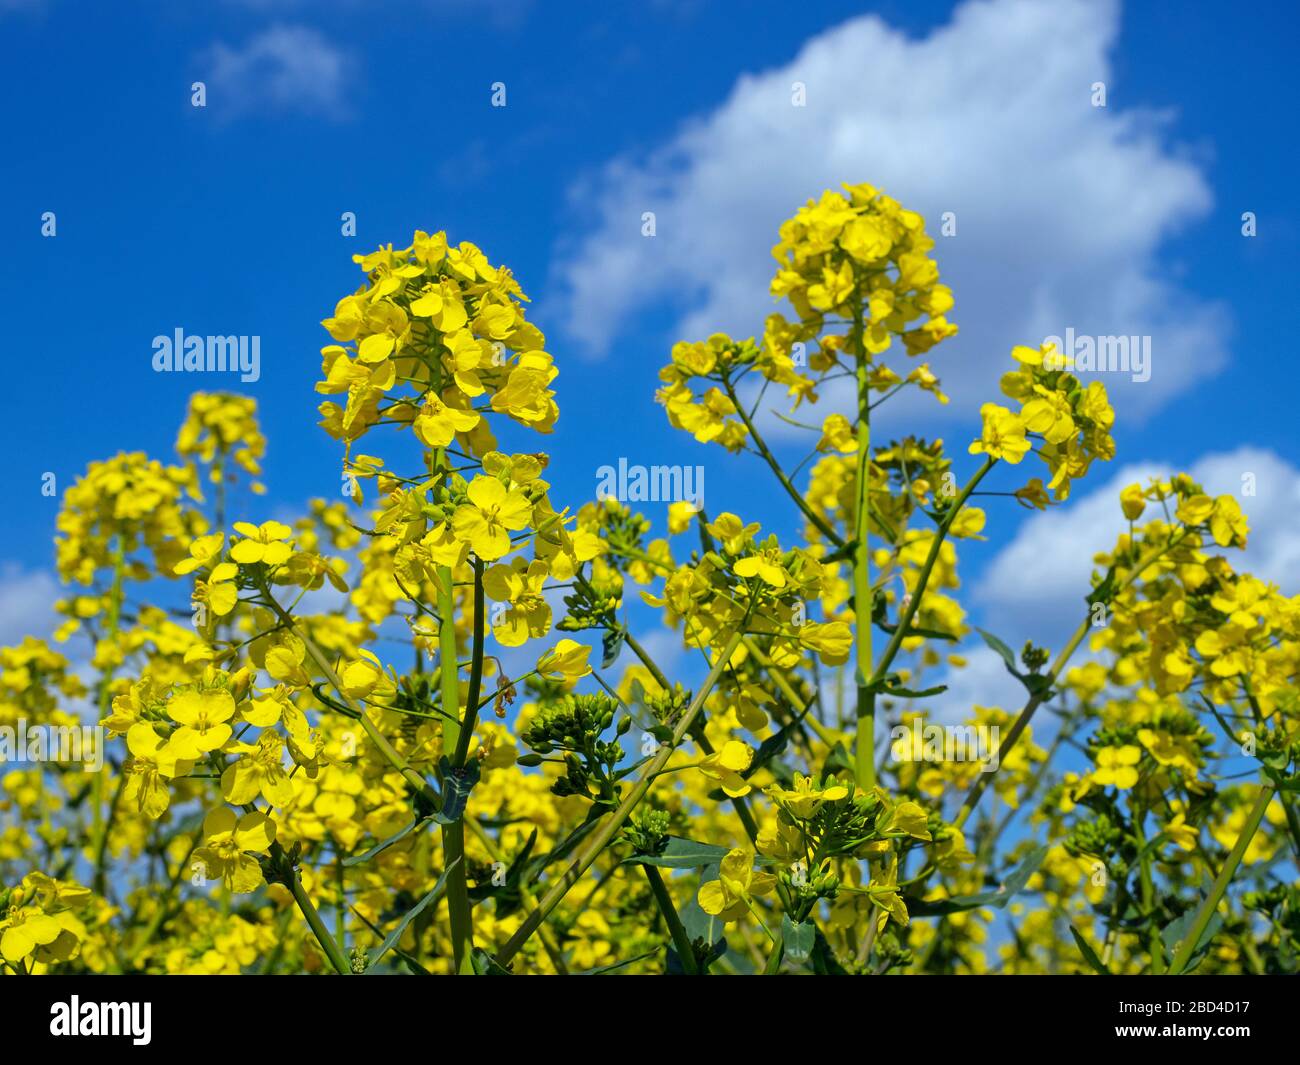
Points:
[1105,591]
[681,854]
[799,938]
[456,786]
[1011,887]
[1178,929]
[824,962]
[618,964]
[838,758]
[506,896]
[411,914]
[563,849]
[1089,955]
[1038,685]
[611,646]
[702,929]
[774,744]
[1008,656]
[912,693]
[486,965]
[379,848]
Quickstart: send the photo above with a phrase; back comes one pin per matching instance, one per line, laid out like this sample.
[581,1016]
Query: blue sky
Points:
[1117,220]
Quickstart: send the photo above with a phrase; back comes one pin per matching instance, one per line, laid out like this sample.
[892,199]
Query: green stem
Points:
[1193,938]
[1154,943]
[101,827]
[475,672]
[675,927]
[332,950]
[863,597]
[821,524]
[453,835]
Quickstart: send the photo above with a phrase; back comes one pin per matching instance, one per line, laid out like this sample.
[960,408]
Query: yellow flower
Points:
[219,591]
[1003,436]
[733,533]
[31,931]
[1227,523]
[680,516]
[443,306]
[1033,494]
[264,543]
[567,660]
[1181,833]
[228,841]
[1133,502]
[908,818]
[831,640]
[968,524]
[202,552]
[151,765]
[1117,766]
[1194,510]
[728,897]
[259,771]
[1227,648]
[437,424]
[359,678]
[838,435]
[805,798]
[883,892]
[765,565]
[519,584]
[726,765]
[202,717]
[1048,413]
[1094,406]
[492,513]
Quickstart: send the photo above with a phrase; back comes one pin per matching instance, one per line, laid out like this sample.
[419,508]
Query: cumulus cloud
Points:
[281,69]
[1061,207]
[26,603]
[1037,583]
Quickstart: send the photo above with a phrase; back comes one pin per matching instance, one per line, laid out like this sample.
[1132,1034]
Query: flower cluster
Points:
[321,728]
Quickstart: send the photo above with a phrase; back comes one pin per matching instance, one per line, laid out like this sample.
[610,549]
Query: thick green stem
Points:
[675,927]
[1202,920]
[864,744]
[453,835]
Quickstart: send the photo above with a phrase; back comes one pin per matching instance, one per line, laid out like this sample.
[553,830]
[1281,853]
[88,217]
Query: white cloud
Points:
[281,69]
[1036,585]
[983,681]
[1061,207]
[26,603]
